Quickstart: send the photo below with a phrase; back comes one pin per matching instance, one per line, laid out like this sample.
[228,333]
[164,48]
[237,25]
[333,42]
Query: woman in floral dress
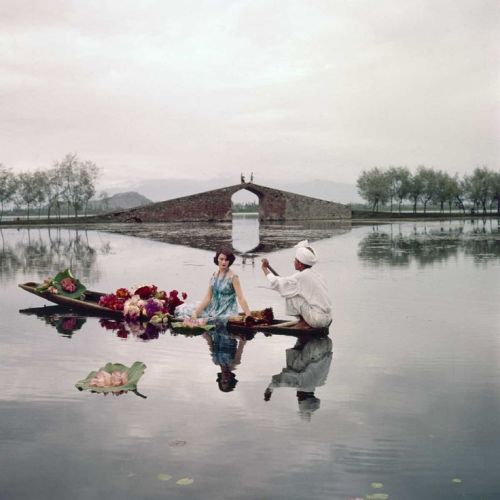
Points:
[223,294]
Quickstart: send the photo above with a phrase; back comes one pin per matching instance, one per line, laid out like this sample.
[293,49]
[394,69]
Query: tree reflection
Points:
[9,260]
[396,246]
[44,252]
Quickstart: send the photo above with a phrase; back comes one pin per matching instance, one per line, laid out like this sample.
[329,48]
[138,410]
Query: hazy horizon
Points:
[196,90]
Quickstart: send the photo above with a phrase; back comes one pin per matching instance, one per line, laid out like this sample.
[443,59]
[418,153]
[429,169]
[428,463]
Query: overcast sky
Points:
[198,89]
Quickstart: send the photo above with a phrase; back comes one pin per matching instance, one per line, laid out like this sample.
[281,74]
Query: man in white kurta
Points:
[305,291]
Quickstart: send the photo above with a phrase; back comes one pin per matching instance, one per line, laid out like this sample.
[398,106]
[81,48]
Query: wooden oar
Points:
[272,270]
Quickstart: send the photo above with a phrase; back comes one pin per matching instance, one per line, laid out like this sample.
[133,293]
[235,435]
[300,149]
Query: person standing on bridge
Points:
[305,292]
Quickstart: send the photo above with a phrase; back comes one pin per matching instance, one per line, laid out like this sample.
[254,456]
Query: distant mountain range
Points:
[120,201]
[160,190]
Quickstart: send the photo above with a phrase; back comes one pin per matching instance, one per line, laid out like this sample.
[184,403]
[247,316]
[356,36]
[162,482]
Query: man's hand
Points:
[265,266]
[267,394]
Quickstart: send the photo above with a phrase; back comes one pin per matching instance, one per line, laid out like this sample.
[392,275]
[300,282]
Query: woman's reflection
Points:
[226,351]
[307,366]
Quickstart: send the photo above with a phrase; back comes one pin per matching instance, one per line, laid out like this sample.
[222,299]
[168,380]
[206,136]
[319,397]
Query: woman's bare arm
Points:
[204,303]
[239,295]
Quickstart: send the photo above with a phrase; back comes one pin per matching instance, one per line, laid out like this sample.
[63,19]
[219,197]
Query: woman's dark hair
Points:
[226,385]
[227,252]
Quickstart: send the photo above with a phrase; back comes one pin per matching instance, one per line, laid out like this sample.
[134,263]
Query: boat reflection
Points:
[64,321]
[307,367]
[144,331]
[307,362]
[67,321]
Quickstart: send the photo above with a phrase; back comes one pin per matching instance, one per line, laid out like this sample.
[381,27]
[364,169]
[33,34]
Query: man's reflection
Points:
[307,366]
[226,351]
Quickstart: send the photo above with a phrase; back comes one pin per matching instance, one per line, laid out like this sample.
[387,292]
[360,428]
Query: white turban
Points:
[304,254]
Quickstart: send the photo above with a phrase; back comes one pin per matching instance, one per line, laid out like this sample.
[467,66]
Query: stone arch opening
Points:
[245,207]
[245,201]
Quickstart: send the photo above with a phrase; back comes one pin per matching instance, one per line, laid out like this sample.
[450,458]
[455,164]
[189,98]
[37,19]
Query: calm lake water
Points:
[409,408]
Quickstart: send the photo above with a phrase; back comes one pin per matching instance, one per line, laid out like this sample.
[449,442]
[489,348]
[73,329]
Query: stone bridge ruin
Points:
[216,205]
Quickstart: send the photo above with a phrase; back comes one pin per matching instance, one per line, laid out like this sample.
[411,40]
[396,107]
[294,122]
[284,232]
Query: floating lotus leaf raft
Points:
[134,373]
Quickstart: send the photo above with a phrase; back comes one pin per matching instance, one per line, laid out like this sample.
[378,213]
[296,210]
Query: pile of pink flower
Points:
[144,303]
[67,284]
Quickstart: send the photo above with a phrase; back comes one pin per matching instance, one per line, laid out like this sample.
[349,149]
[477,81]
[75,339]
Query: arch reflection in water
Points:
[245,232]
[307,367]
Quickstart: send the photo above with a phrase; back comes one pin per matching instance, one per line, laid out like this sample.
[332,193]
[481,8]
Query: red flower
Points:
[109,324]
[122,333]
[146,292]
[111,301]
[184,295]
[122,293]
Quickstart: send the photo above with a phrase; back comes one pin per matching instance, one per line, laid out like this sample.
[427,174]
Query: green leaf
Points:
[190,330]
[377,496]
[185,481]
[456,480]
[80,288]
[377,485]
[56,283]
[134,373]
[164,477]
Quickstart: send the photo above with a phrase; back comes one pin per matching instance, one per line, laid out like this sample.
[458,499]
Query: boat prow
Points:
[89,303]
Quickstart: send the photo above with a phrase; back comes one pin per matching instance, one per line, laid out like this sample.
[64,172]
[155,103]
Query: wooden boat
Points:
[89,305]
[275,327]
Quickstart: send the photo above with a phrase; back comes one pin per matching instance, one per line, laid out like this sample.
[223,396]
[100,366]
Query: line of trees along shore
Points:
[69,184]
[429,187]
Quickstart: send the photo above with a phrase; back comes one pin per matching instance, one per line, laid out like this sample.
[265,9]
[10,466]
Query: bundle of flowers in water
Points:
[113,378]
